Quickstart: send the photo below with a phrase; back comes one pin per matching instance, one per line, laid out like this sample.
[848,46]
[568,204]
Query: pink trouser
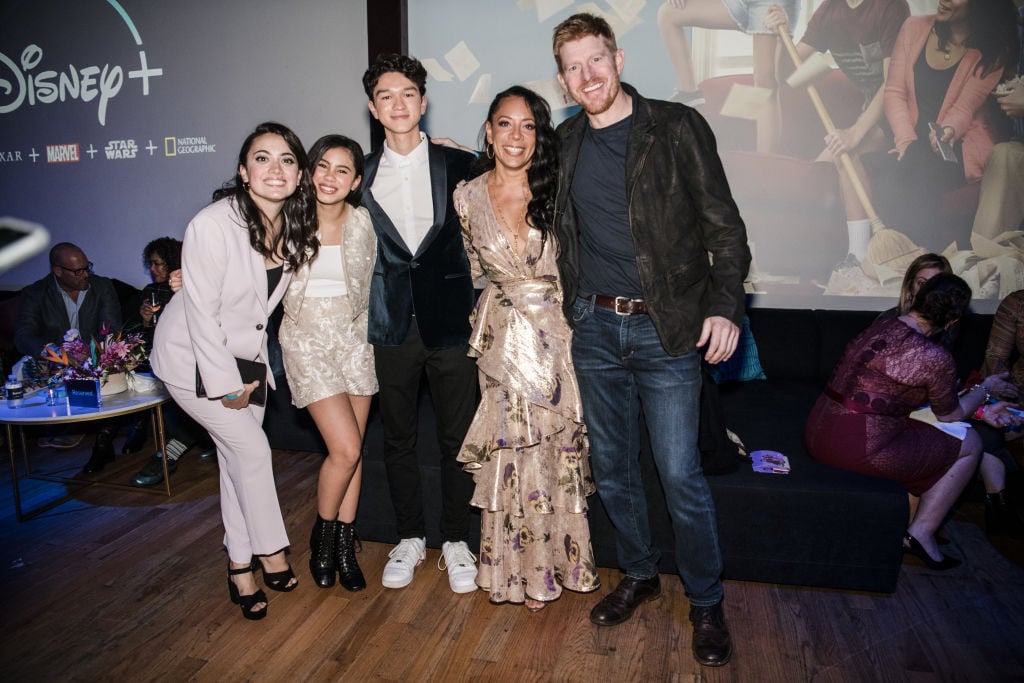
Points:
[248,496]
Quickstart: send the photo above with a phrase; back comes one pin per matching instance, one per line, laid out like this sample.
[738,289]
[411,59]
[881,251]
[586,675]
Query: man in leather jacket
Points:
[652,257]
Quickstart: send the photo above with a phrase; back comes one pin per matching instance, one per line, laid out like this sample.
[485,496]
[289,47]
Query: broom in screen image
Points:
[889,252]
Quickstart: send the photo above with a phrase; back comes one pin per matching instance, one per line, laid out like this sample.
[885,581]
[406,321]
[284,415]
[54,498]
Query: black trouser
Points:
[452,378]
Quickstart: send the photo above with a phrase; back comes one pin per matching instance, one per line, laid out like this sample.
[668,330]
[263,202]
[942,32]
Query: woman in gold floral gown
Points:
[527,446]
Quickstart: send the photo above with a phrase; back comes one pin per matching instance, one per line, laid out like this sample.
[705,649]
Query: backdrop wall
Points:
[794,214]
[118,118]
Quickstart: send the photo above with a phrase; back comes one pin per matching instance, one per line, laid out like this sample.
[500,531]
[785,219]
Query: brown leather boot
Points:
[712,644]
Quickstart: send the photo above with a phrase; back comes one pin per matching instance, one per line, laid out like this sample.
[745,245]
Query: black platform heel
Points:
[917,550]
[279,581]
[246,602]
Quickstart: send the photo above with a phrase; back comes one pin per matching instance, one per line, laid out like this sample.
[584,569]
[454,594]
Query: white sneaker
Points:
[461,565]
[405,557]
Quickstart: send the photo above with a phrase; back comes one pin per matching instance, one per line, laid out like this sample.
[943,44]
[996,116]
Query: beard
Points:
[595,107]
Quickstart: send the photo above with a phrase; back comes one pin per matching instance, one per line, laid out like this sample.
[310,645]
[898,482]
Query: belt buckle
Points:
[623,305]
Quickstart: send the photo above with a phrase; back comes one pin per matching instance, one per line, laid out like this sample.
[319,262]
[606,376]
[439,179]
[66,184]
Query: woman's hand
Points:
[999,415]
[448,142]
[146,312]
[776,17]
[240,400]
[1013,102]
[839,141]
[174,280]
[900,150]
[1001,387]
[946,138]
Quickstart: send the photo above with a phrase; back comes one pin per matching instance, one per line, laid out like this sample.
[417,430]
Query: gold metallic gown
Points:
[527,446]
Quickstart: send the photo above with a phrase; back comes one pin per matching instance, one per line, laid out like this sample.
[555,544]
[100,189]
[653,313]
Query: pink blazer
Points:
[221,311]
[961,108]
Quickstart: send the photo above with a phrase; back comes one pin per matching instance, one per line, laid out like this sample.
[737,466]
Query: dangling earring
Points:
[245,186]
[489,150]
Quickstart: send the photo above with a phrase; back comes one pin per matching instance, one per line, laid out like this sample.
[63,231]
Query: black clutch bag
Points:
[251,371]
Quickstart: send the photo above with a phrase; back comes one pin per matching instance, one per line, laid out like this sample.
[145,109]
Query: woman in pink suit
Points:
[238,257]
[943,68]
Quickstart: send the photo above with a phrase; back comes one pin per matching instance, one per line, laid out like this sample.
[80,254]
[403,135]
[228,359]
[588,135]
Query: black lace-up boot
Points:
[349,574]
[322,563]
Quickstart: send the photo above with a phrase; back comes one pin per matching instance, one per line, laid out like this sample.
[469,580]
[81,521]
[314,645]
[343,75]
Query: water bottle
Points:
[15,392]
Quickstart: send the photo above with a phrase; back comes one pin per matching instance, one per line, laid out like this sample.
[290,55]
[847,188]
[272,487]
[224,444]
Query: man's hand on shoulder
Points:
[721,336]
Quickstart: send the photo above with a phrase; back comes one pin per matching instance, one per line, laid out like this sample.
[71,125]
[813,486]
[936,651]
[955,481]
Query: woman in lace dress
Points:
[327,359]
[862,422]
[527,446]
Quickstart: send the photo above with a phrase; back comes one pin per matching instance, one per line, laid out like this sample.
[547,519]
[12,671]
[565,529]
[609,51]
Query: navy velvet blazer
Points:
[435,283]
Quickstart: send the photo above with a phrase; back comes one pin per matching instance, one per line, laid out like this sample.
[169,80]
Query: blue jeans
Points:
[622,366]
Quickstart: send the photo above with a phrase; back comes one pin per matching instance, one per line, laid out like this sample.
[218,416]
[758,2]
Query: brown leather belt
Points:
[621,305]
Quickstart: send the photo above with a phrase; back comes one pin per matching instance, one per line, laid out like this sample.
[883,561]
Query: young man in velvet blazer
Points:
[421,297]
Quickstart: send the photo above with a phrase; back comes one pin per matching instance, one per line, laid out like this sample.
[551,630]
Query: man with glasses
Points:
[69,297]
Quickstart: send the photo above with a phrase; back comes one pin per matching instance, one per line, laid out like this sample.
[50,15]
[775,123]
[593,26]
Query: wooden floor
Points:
[123,585]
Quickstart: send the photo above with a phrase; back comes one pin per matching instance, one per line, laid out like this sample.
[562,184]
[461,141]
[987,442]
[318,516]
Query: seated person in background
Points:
[162,256]
[69,297]
[943,68]
[920,270]
[1006,341]
[860,35]
[1001,205]
[862,422]
[999,516]
[1005,344]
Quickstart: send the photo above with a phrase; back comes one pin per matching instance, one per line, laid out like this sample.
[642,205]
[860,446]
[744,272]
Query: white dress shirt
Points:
[402,188]
[72,307]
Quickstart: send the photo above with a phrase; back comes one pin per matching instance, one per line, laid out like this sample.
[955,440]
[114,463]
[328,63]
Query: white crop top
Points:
[327,273]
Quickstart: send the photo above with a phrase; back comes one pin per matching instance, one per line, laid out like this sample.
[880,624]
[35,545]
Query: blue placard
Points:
[84,393]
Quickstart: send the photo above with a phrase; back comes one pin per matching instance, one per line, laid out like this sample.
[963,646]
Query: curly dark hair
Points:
[942,300]
[167,248]
[410,67]
[296,241]
[993,33]
[542,175]
[334,141]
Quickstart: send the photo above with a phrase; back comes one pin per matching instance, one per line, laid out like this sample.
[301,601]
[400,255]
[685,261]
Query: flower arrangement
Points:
[115,352]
